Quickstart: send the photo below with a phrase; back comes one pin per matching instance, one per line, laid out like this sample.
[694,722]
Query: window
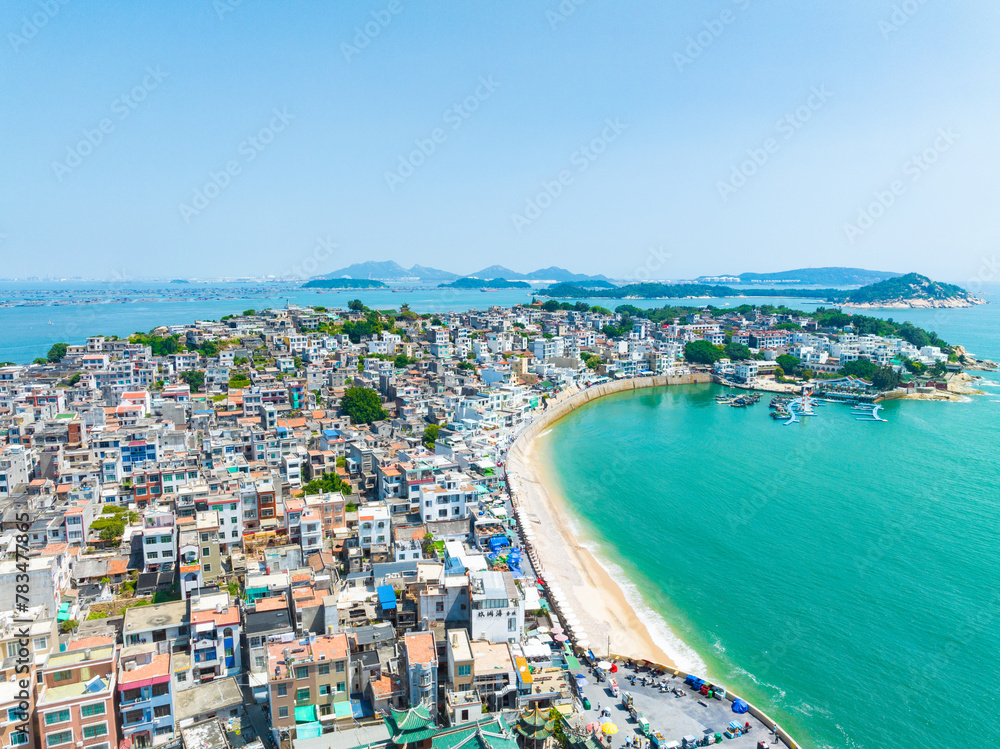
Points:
[161,711]
[324,669]
[88,711]
[302,695]
[340,686]
[152,555]
[324,689]
[160,689]
[19,738]
[465,670]
[206,568]
[512,625]
[235,533]
[439,606]
[206,552]
[204,537]
[302,672]
[12,649]
[340,667]
[166,539]
[57,716]
[282,690]
[92,732]
[282,712]
[62,737]
[182,677]
[131,695]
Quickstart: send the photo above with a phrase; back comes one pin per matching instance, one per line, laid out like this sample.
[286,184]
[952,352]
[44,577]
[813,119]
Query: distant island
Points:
[910,290]
[829,276]
[180,280]
[484,283]
[343,283]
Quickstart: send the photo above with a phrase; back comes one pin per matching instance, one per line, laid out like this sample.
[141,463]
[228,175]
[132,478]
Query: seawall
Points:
[575,399]
[571,400]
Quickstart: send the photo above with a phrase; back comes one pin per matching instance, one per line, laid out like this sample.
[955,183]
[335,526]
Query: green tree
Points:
[703,352]
[356,305]
[860,368]
[194,378]
[788,363]
[401,361]
[363,405]
[249,312]
[886,378]
[551,305]
[430,435]
[57,352]
[738,351]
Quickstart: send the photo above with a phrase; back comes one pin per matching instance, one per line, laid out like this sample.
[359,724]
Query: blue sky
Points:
[661,140]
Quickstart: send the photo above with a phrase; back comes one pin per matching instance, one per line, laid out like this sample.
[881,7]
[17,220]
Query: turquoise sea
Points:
[840,574]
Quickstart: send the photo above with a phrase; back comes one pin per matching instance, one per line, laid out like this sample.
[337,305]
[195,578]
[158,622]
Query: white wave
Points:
[760,682]
[542,434]
[682,654]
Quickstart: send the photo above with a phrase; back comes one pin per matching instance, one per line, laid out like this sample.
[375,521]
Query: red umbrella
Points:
[614,668]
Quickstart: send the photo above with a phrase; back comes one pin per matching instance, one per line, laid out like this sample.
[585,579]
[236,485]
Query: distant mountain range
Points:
[832,276]
[389,270]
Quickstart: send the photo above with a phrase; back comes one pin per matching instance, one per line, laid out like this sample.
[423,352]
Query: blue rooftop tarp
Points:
[386,597]
[739,706]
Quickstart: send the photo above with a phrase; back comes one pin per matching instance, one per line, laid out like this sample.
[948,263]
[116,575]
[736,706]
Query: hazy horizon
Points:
[228,138]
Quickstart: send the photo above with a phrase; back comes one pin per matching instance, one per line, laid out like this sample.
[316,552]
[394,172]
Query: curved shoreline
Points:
[561,559]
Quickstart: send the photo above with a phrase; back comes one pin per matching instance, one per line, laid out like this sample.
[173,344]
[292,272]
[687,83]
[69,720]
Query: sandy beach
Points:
[595,598]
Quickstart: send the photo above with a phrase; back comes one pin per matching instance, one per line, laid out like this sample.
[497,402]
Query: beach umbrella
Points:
[593,727]
[610,729]
[603,665]
[560,638]
[583,644]
[557,630]
[545,630]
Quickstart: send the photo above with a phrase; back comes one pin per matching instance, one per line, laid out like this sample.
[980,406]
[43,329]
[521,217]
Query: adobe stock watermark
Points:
[562,12]
[454,117]
[582,158]
[122,107]
[224,7]
[33,24]
[322,251]
[364,35]
[786,126]
[915,168]
[706,37]
[656,259]
[900,16]
[249,148]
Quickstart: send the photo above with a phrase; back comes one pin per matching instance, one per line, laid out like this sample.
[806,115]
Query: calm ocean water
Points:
[27,334]
[842,574]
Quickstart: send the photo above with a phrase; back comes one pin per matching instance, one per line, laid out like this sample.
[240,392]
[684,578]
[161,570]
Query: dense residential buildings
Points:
[192,552]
